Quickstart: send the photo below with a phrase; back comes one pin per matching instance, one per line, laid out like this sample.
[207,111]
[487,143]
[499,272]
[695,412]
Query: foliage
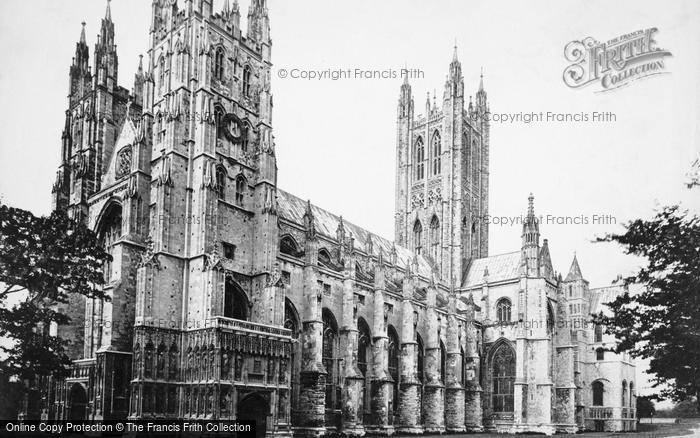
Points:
[44,262]
[662,322]
[645,407]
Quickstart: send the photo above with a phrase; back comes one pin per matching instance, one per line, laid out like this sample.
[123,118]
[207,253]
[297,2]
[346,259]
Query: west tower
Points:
[442,176]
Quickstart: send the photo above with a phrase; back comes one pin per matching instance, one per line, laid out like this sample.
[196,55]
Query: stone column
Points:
[409,399]
[312,395]
[433,401]
[381,379]
[454,392]
[473,412]
[352,389]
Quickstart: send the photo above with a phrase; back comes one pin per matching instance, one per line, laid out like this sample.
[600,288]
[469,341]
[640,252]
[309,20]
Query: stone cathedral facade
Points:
[232,298]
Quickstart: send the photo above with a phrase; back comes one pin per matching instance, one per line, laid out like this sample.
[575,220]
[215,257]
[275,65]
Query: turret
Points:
[106,62]
[79,81]
[258,22]
[454,85]
[531,240]
[139,80]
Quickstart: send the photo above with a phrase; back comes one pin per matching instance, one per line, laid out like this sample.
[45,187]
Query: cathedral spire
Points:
[574,271]
[454,55]
[108,12]
[481,80]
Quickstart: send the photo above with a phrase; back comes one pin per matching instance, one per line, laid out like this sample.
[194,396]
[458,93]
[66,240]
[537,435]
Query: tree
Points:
[44,261]
[645,407]
[686,409]
[662,322]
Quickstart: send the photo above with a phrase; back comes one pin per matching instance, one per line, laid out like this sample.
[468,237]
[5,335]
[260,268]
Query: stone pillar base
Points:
[356,430]
[474,428]
[352,421]
[308,432]
[409,408]
[454,409]
[410,430]
[380,430]
[434,409]
[311,419]
[567,428]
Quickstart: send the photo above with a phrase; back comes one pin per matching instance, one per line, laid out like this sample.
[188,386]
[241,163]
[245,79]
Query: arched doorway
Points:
[78,402]
[254,408]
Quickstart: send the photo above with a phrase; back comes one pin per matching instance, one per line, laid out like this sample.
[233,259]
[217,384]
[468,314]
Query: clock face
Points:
[232,127]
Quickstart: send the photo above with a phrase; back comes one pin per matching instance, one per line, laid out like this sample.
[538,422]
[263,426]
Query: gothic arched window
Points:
[475,161]
[437,151]
[289,246]
[240,189]
[394,349]
[503,375]
[364,355]
[221,182]
[419,158]
[462,367]
[324,258]
[435,239]
[330,359]
[418,237]
[219,63]
[632,396]
[598,333]
[110,231]
[598,391]
[161,74]
[503,307]
[246,80]
[235,301]
[624,400]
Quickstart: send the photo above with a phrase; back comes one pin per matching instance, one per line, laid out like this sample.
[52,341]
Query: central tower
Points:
[442,176]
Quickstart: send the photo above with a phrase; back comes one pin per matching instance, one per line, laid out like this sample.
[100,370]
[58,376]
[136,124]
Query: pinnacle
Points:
[108,12]
[82,33]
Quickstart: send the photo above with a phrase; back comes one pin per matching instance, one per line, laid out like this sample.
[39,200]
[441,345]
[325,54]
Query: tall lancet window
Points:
[418,237]
[503,374]
[393,362]
[219,64]
[246,80]
[437,152]
[161,74]
[419,159]
[330,360]
[110,232]
[435,239]
[364,356]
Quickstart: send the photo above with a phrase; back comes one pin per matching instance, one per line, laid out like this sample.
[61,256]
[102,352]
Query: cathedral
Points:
[234,299]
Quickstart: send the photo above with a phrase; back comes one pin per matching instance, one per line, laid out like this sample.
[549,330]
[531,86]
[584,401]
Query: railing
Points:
[82,369]
[600,413]
[235,324]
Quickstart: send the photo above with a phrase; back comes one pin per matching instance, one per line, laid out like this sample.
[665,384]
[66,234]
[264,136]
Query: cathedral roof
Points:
[498,268]
[293,208]
[601,295]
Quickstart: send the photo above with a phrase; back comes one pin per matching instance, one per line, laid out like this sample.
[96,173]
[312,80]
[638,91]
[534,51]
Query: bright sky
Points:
[336,139]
